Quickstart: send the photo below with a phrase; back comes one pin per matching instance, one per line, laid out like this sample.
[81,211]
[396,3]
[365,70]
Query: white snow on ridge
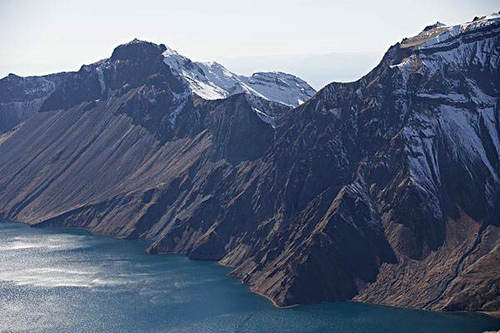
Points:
[441,36]
[281,87]
[451,97]
[459,110]
[100,76]
[211,80]
[460,46]
[265,117]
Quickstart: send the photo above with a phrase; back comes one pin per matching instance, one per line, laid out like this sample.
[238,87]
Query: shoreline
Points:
[492,314]
[273,302]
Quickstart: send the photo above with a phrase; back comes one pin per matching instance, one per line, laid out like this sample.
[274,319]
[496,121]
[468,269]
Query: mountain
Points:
[319,68]
[211,80]
[384,190]
[21,97]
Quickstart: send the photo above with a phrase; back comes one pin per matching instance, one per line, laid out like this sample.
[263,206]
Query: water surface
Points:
[56,280]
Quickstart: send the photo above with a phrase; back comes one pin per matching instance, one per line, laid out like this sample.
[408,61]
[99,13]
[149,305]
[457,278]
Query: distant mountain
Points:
[21,97]
[211,80]
[318,69]
[383,190]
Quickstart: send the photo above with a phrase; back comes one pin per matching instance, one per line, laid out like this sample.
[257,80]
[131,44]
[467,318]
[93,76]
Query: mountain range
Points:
[22,96]
[384,190]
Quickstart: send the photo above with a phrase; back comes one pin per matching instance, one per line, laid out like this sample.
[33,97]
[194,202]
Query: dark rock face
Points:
[384,190]
[137,50]
[21,97]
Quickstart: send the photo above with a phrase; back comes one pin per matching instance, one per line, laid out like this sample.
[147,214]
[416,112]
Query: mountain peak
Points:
[137,49]
[439,33]
[435,25]
[13,76]
[211,80]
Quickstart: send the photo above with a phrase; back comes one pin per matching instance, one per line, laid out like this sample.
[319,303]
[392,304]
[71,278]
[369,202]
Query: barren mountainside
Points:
[384,190]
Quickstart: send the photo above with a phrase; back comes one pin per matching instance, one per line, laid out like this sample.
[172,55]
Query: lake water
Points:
[55,280]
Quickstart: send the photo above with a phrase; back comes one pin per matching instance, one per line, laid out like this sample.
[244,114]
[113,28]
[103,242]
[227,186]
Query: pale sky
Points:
[41,37]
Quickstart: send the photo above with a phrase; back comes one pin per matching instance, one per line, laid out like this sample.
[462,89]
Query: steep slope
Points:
[22,97]
[383,190]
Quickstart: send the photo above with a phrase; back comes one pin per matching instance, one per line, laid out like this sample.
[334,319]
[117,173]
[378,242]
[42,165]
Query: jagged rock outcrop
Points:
[383,190]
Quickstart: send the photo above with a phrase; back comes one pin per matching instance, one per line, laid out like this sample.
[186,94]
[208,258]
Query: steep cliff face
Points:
[20,98]
[383,190]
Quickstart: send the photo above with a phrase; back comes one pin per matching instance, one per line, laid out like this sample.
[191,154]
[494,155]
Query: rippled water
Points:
[58,280]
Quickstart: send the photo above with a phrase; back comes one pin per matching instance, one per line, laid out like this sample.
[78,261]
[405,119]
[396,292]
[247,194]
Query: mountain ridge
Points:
[16,107]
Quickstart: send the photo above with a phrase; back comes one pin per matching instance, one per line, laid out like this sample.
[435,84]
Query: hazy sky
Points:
[39,37]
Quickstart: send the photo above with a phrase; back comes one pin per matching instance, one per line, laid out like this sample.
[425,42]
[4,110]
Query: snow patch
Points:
[211,80]
[265,117]
[180,100]
[100,77]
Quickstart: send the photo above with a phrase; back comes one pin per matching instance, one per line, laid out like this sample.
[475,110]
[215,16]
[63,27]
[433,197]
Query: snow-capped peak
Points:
[433,26]
[211,80]
[439,33]
[461,45]
[169,51]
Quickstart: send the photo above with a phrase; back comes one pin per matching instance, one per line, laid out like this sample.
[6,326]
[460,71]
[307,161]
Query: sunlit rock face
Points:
[383,190]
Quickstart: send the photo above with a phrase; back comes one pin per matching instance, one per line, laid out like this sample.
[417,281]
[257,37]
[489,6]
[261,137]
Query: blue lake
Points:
[56,280]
